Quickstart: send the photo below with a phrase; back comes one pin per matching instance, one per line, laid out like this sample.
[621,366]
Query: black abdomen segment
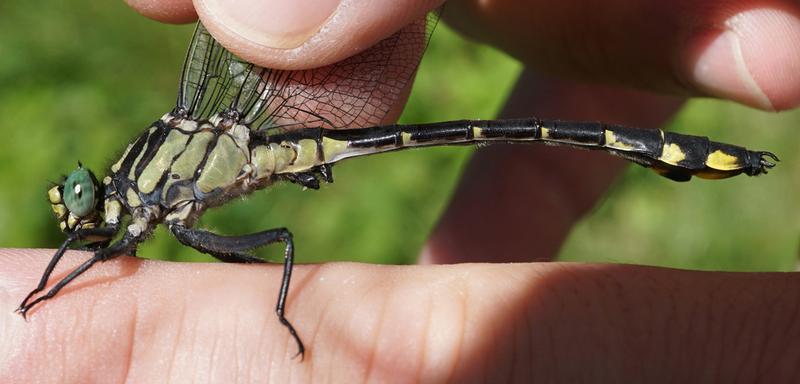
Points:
[672,155]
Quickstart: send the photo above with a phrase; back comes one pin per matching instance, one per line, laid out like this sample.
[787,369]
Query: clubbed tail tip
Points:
[764,163]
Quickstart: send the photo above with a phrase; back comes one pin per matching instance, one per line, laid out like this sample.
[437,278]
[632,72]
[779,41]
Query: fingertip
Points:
[753,60]
[279,24]
[285,34]
[173,11]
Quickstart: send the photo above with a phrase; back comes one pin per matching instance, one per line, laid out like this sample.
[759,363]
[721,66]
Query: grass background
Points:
[79,79]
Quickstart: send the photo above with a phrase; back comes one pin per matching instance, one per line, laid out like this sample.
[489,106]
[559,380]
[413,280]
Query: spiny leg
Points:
[105,232]
[231,248]
[238,258]
[91,247]
[104,254]
[197,240]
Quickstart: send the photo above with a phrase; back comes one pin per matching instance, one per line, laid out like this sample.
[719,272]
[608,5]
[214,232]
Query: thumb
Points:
[302,34]
[292,34]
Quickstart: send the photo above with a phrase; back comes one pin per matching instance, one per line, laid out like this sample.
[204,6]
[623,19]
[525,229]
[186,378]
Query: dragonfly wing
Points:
[356,92]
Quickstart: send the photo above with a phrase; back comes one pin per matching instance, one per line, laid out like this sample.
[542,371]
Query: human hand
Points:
[134,320]
[487,277]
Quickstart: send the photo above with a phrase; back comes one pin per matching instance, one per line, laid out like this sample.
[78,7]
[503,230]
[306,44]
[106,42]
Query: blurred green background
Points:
[79,79]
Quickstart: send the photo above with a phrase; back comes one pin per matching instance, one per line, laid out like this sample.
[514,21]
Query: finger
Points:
[167,11]
[518,203]
[380,77]
[144,321]
[293,34]
[747,51]
[306,34]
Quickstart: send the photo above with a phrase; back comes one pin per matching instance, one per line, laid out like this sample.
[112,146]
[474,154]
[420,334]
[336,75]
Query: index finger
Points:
[129,320]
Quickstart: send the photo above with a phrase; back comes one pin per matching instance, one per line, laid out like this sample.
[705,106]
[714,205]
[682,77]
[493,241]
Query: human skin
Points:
[464,322]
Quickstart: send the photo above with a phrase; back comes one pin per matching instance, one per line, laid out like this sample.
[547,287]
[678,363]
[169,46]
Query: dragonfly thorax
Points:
[180,167]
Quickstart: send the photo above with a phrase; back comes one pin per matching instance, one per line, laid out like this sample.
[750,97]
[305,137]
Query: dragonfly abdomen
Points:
[673,155]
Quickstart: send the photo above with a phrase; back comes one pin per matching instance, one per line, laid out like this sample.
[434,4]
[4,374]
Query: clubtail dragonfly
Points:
[237,128]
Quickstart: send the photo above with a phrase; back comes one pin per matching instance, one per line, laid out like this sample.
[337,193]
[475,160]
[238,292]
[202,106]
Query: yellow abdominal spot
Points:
[477,132]
[722,161]
[545,133]
[611,142]
[406,137]
[672,154]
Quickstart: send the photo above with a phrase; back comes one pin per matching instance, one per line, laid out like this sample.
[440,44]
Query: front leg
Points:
[126,245]
[100,235]
[231,249]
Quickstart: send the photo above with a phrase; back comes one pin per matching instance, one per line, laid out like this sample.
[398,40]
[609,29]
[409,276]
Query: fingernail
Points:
[754,60]
[281,24]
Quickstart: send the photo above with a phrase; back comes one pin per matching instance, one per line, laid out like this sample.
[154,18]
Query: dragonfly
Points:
[238,127]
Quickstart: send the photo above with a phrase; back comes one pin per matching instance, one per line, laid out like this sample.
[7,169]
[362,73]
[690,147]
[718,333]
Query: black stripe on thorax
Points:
[200,167]
[154,142]
[127,162]
[155,197]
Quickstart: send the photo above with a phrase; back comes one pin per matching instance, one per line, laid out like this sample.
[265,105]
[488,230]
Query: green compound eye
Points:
[79,191]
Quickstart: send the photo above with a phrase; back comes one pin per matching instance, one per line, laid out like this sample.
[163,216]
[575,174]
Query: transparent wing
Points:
[355,92]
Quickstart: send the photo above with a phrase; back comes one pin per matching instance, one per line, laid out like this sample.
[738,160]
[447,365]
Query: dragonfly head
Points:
[76,201]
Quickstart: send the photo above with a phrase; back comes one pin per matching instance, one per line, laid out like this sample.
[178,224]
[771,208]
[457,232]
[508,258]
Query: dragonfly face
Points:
[76,201]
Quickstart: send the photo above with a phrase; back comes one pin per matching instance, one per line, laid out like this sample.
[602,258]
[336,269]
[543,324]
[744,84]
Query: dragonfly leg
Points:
[304,179]
[311,178]
[326,171]
[104,232]
[237,258]
[231,249]
[91,247]
[103,254]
